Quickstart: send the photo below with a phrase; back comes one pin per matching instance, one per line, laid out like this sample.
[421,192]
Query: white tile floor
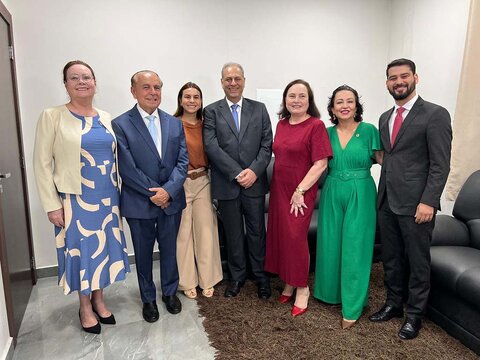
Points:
[51,329]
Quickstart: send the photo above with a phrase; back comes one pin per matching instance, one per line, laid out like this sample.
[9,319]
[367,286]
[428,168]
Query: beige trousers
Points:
[198,249]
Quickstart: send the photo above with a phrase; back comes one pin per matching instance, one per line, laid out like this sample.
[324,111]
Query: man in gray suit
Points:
[416,137]
[238,141]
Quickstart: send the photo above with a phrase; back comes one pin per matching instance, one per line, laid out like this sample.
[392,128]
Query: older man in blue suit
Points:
[152,161]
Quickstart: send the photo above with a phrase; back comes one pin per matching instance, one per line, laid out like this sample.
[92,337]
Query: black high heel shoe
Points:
[109,320]
[95,329]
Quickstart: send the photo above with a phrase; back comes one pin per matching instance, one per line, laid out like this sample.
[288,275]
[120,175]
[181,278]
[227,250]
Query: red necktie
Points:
[397,124]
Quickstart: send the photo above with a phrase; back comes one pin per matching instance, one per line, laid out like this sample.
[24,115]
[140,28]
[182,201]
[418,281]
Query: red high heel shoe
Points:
[296,311]
[285,298]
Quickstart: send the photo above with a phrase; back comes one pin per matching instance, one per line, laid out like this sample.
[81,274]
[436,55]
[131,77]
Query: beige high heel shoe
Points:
[191,293]
[208,292]
[347,324]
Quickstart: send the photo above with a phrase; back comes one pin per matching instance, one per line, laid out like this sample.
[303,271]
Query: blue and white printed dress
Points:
[91,248]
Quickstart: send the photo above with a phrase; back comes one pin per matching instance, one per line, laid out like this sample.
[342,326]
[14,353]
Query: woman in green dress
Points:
[347,211]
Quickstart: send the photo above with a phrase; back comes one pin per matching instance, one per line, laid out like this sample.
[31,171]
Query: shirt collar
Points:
[408,106]
[144,114]
[239,103]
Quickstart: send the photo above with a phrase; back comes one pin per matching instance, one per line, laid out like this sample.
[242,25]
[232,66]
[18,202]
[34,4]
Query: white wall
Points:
[328,43]
[432,33]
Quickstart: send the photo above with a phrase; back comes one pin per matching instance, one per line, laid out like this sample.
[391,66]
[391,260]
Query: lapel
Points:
[245,118]
[165,129]
[409,119]
[227,115]
[385,131]
[137,122]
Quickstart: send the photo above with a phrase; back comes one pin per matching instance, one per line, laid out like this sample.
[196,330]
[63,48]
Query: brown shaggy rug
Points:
[246,327]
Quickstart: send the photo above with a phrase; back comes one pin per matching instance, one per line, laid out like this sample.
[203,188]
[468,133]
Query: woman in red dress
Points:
[301,147]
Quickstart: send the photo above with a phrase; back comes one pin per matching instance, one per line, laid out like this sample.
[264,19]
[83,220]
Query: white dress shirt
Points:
[156,122]
[408,106]
[239,109]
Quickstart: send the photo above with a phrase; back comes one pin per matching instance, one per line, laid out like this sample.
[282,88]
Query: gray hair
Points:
[232,64]
[133,79]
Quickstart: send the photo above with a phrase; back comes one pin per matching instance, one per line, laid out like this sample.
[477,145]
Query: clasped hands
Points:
[246,178]
[297,203]
[161,198]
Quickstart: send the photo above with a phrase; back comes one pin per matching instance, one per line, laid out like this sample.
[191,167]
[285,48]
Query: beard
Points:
[402,96]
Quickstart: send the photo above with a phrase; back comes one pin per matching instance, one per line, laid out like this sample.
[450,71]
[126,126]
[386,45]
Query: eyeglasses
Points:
[78,78]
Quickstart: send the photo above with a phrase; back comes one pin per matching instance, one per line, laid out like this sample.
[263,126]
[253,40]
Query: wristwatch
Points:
[300,190]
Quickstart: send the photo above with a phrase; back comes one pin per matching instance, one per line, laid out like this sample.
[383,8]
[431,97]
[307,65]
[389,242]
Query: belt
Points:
[196,175]
[346,175]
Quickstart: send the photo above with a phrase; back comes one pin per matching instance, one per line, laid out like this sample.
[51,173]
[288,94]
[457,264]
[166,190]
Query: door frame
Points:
[13,328]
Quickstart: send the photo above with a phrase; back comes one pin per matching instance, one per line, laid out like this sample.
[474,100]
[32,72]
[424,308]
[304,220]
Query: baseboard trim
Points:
[49,271]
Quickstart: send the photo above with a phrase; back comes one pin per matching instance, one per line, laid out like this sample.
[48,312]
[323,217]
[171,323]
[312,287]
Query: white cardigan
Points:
[56,157]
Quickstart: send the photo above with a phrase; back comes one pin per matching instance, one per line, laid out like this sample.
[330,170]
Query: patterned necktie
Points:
[397,124]
[235,115]
[152,129]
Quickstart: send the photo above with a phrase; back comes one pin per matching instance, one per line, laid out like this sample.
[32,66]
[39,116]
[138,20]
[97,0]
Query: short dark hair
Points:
[179,111]
[69,64]
[312,108]
[358,114]
[400,62]
[133,79]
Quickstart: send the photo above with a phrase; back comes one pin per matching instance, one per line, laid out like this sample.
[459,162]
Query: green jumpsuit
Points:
[346,222]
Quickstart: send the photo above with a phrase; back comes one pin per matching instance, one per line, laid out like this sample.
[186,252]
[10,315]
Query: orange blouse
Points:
[196,151]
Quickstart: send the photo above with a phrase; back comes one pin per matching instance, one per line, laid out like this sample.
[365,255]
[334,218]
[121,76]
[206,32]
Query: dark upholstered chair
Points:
[454,301]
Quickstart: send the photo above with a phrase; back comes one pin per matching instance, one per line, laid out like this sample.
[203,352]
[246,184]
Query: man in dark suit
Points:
[416,137]
[152,162]
[238,141]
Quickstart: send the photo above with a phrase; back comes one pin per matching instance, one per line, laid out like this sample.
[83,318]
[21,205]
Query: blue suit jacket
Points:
[141,167]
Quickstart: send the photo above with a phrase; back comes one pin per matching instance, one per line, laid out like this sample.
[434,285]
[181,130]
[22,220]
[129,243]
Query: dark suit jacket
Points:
[230,151]
[140,166]
[415,169]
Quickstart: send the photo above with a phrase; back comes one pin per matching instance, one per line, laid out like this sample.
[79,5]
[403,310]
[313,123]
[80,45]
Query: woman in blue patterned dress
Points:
[76,176]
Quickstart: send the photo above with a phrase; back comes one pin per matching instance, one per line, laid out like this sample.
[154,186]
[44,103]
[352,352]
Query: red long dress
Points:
[296,148]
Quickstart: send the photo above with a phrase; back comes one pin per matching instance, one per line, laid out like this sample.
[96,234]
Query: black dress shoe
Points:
[95,329]
[172,303]
[386,313]
[410,328]
[109,320]
[150,311]
[233,288]
[264,291]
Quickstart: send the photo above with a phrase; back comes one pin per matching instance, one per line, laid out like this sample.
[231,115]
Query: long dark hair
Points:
[179,111]
[358,114]
[312,108]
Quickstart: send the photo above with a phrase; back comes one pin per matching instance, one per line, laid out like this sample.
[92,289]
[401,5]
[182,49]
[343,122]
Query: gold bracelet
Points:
[300,190]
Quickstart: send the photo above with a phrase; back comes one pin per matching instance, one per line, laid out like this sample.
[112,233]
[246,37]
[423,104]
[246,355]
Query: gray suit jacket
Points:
[416,167]
[230,151]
